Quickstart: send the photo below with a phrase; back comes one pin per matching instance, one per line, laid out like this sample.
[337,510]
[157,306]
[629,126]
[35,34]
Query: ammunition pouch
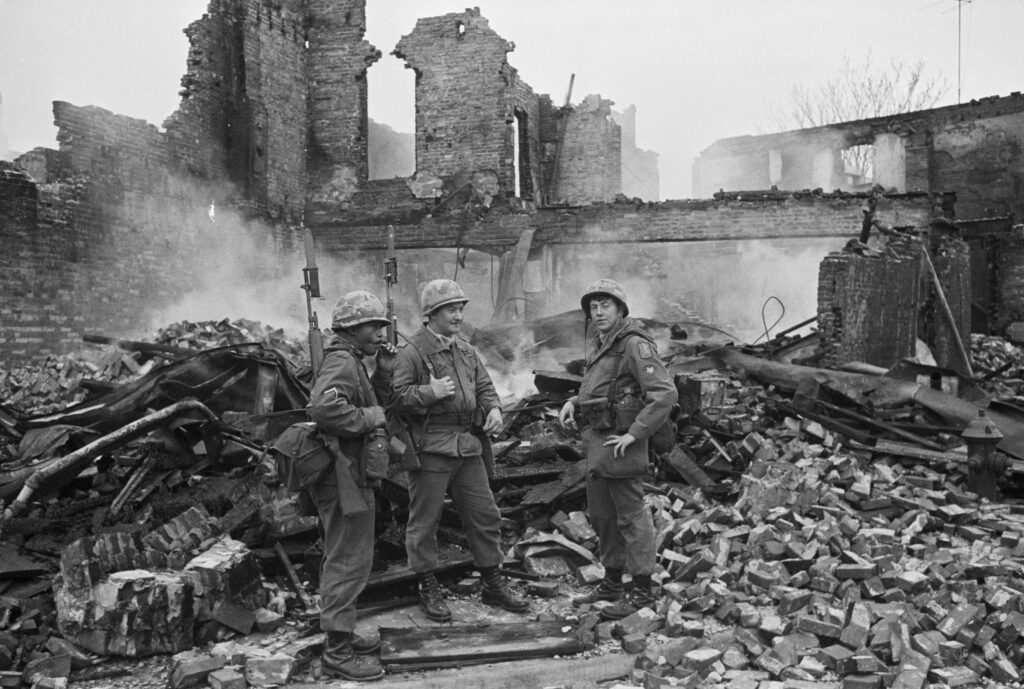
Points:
[626,409]
[376,455]
[303,456]
[598,414]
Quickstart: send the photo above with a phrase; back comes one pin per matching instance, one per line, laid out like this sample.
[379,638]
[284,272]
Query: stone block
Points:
[271,669]
[191,668]
[226,679]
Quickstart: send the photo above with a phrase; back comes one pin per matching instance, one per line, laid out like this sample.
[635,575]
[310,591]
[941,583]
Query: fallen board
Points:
[473,644]
[518,674]
[15,566]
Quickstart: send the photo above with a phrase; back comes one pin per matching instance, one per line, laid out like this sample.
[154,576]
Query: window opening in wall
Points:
[521,156]
[859,166]
[391,98]
[460,28]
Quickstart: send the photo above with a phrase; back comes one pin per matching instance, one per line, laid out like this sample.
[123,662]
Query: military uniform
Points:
[345,403]
[644,396]
[450,454]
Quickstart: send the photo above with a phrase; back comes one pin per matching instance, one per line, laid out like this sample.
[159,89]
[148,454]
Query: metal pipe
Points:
[123,434]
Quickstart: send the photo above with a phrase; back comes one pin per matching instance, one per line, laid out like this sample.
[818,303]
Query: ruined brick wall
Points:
[460,105]
[522,106]
[874,309]
[590,166]
[1009,279]
[867,309]
[982,160]
[112,233]
[952,260]
[338,121]
[750,217]
[242,115]
[640,177]
[975,149]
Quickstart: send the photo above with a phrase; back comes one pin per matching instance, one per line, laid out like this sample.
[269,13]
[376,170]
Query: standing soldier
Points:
[440,383]
[626,395]
[344,403]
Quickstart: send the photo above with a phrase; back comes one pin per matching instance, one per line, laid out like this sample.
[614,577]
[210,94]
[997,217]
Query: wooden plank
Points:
[15,566]
[516,674]
[472,644]
[510,281]
[401,575]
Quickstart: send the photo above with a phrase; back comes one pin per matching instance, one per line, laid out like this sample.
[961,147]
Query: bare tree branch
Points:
[860,91]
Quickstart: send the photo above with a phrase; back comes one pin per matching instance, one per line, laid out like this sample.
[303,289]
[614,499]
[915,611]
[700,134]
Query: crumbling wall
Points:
[1009,282]
[951,258]
[338,121]
[640,177]
[875,308]
[111,233]
[460,109]
[867,309]
[242,114]
[982,160]
[750,216]
[590,165]
[522,112]
[973,149]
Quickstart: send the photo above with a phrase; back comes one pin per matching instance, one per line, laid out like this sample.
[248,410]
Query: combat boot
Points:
[642,596]
[432,599]
[496,592]
[609,589]
[341,660]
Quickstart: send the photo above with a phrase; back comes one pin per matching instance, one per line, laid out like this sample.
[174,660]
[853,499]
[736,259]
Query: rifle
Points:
[391,279]
[311,286]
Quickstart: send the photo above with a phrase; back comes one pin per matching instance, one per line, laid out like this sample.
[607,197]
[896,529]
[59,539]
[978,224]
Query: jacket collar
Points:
[428,342]
[344,342]
[628,326]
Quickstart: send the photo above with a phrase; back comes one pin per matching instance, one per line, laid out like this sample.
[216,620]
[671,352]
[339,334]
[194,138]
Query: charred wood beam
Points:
[83,456]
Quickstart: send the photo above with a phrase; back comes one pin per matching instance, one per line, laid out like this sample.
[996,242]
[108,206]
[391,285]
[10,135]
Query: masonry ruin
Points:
[271,134]
[834,524]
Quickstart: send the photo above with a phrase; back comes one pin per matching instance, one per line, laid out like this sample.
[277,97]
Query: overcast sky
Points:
[696,71]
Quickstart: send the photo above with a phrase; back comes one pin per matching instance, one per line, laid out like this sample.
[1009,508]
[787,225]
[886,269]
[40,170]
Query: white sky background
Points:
[696,71]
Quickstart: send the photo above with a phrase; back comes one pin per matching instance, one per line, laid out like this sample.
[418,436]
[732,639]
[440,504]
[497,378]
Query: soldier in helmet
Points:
[346,403]
[625,396]
[442,386]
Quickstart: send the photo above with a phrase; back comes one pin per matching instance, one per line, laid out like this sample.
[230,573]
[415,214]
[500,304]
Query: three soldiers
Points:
[442,390]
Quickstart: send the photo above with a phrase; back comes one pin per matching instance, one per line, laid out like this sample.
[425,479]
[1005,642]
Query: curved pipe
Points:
[123,434]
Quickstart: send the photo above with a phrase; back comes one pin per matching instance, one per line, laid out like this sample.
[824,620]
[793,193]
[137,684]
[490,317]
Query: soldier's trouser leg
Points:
[348,557]
[427,487]
[467,480]
[471,493]
[624,527]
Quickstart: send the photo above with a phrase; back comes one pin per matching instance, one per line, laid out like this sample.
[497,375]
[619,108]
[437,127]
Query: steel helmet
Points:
[438,293]
[356,308]
[608,288]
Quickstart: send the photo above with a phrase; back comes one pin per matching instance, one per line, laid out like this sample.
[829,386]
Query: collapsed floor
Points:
[815,528]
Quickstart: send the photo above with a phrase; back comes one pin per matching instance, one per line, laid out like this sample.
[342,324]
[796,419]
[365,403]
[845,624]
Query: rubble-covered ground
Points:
[813,530]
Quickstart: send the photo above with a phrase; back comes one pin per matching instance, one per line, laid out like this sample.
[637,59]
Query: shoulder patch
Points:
[645,349]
